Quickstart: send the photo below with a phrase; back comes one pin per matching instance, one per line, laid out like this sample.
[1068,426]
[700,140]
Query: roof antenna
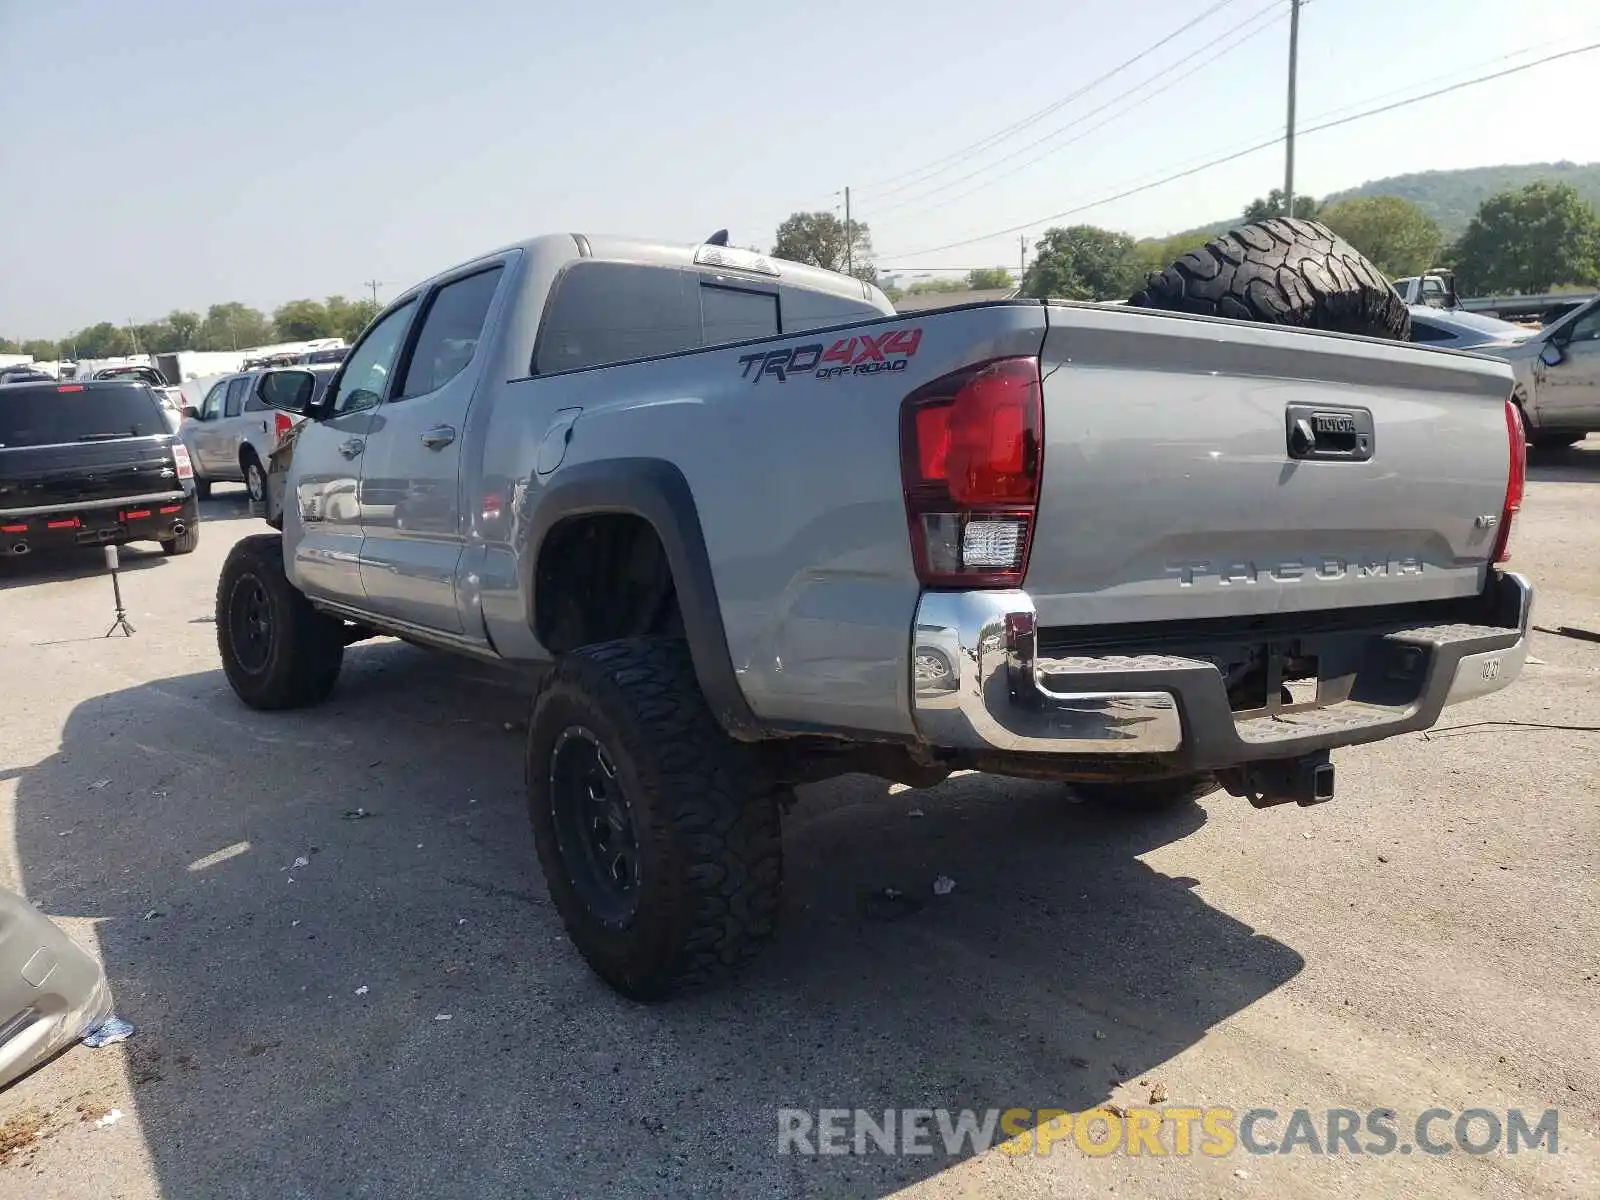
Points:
[719,238]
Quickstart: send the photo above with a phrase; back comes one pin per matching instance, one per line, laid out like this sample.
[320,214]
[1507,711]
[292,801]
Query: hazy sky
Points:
[174,153]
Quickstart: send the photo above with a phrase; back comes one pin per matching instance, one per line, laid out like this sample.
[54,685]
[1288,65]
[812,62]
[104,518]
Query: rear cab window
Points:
[602,313]
[55,415]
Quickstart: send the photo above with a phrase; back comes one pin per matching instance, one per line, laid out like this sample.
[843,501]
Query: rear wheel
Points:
[185,543]
[277,650]
[1285,271]
[1149,796]
[657,833]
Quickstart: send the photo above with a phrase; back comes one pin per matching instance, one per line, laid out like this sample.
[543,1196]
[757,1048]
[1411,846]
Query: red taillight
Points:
[281,424]
[13,529]
[1516,481]
[971,456]
[70,387]
[180,456]
[168,509]
[69,523]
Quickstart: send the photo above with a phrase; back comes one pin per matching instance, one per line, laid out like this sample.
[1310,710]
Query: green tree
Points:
[41,349]
[1261,209]
[185,326]
[1528,241]
[1082,262]
[348,318]
[1394,233]
[926,287]
[233,326]
[301,320]
[1157,254]
[984,278]
[7,346]
[155,337]
[104,340]
[819,238]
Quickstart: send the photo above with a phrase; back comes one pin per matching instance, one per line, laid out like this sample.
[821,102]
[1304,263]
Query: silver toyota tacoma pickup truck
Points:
[757,530]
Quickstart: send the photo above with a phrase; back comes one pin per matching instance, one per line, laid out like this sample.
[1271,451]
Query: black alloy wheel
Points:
[594,825]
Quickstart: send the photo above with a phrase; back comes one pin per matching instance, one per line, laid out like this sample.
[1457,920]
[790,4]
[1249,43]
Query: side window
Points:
[253,401]
[234,404]
[736,314]
[604,312]
[1586,329]
[212,408]
[367,370]
[449,335]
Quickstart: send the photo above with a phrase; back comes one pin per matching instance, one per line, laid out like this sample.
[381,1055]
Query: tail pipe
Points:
[179,529]
[1305,781]
[20,548]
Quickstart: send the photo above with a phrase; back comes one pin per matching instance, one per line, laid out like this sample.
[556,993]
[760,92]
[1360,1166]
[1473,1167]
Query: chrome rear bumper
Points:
[980,684]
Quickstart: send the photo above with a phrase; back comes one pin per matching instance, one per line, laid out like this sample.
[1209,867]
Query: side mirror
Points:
[191,413]
[1550,354]
[289,391]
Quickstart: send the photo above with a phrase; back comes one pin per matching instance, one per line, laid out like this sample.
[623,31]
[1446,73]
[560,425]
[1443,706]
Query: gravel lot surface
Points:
[1429,939]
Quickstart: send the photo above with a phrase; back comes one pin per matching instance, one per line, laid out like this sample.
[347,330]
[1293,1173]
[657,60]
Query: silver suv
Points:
[232,434]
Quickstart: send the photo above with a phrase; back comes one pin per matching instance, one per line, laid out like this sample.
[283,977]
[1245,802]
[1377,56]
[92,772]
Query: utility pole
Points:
[133,336]
[849,248]
[1022,257]
[1294,58]
[373,284]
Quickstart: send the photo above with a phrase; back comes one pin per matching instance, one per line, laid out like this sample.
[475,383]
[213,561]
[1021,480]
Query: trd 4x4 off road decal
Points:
[864,354]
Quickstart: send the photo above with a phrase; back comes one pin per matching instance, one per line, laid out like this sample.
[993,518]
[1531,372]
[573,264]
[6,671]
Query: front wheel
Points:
[255,481]
[277,650]
[657,833]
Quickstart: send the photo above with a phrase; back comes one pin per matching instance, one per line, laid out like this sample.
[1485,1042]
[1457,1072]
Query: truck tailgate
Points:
[1172,489]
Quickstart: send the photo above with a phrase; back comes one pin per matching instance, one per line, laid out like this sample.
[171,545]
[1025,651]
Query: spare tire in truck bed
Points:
[1285,271]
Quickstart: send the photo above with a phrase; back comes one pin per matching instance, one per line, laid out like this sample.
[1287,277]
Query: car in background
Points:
[25,374]
[329,354]
[170,395]
[1455,329]
[232,434]
[91,464]
[1557,368]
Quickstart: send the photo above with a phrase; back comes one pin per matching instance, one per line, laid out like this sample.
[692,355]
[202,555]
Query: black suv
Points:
[86,464]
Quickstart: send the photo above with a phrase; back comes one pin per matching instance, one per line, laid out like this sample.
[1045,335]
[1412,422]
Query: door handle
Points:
[438,437]
[352,447]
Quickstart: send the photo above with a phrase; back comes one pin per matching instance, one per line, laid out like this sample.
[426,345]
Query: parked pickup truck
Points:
[766,531]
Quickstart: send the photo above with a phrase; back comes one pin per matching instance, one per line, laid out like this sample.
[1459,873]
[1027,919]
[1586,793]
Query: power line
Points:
[1166,85]
[927,170]
[1273,141]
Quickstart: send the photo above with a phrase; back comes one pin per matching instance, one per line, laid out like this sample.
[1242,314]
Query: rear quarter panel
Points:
[795,475]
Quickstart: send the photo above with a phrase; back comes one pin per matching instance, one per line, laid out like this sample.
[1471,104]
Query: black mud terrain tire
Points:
[1283,271]
[277,650]
[1148,796]
[664,860]
[186,542]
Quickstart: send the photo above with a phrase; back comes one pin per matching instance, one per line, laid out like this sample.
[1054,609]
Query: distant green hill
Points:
[1452,197]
